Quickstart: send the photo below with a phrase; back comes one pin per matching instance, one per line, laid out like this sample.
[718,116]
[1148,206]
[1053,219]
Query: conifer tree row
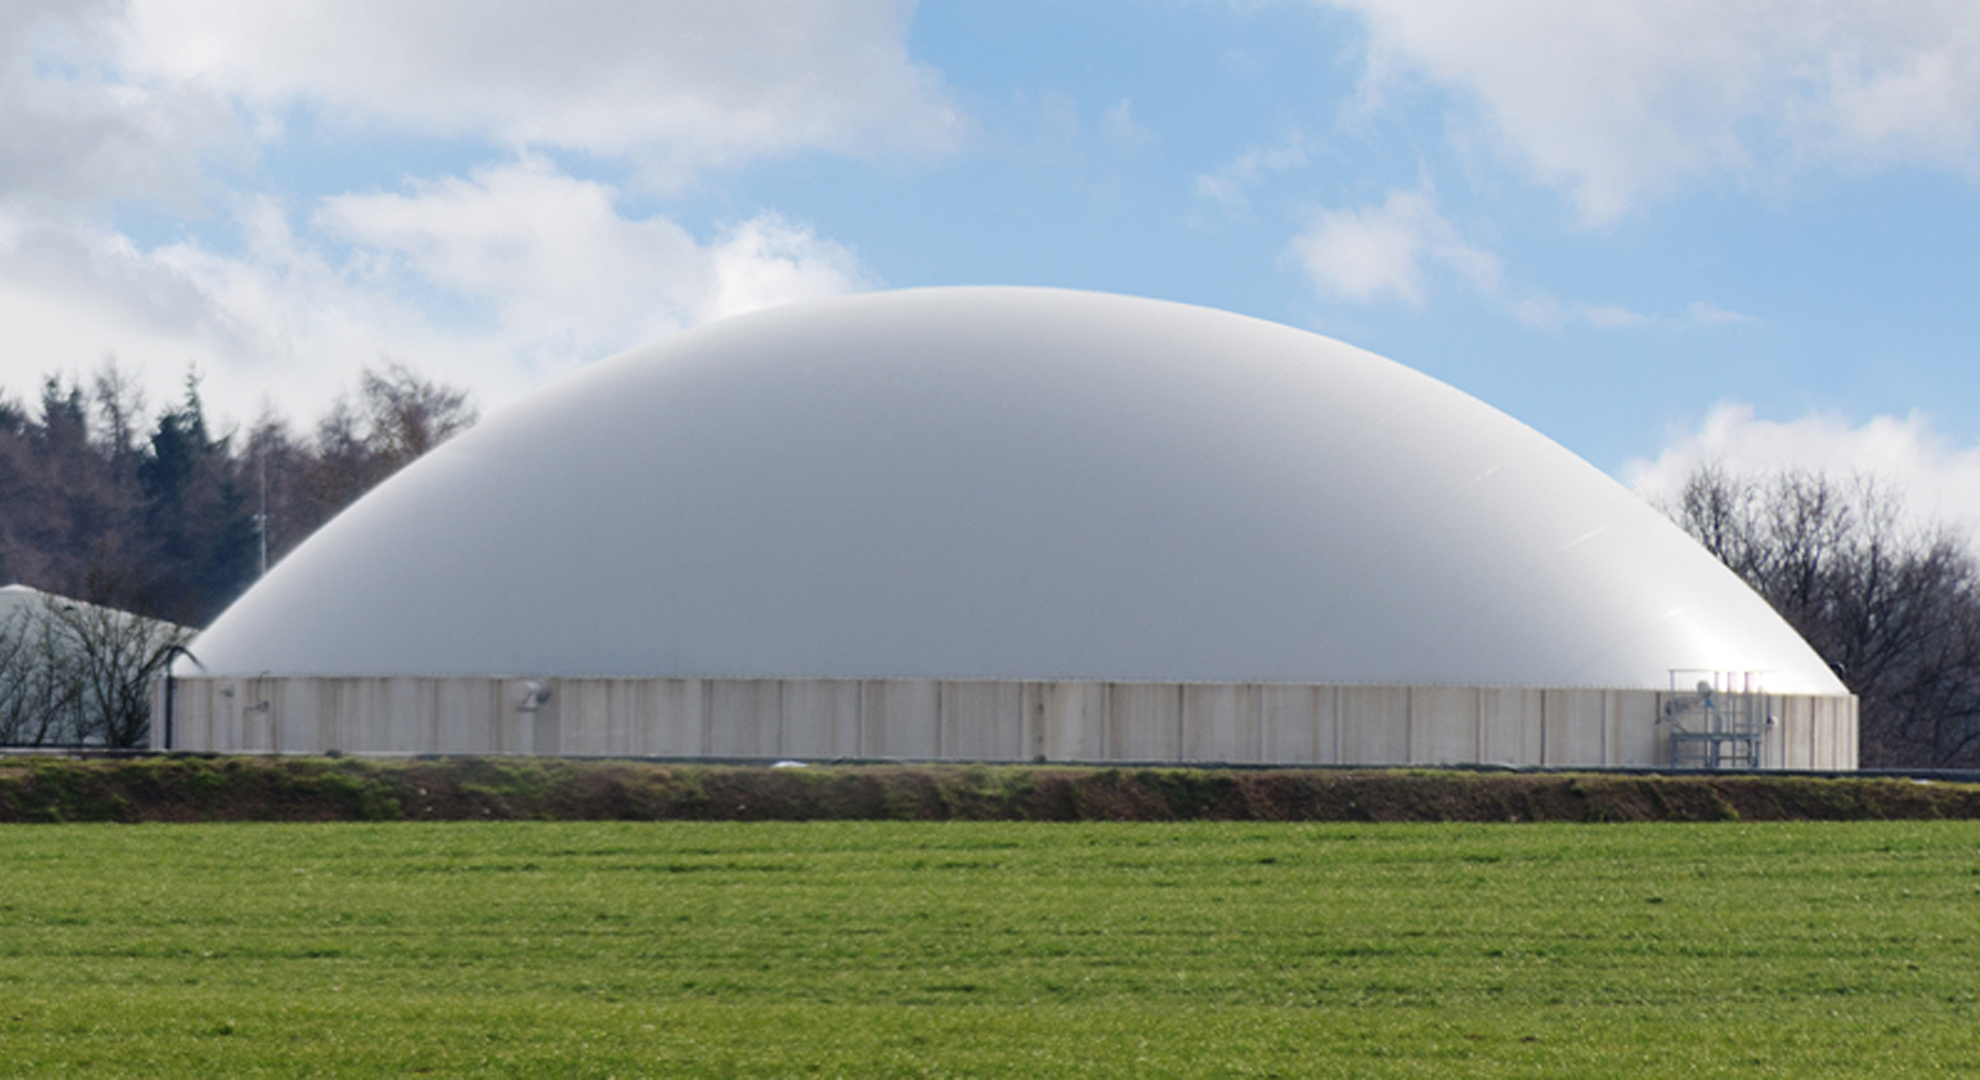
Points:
[165,516]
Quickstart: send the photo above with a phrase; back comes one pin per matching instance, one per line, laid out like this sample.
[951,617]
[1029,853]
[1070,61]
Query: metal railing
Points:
[1717,719]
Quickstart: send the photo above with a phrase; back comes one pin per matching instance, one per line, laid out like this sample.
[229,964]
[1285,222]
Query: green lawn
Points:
[911,949]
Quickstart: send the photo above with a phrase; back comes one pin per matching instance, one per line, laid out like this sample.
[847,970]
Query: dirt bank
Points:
[181,788]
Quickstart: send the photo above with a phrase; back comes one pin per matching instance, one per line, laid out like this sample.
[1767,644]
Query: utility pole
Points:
[261,519]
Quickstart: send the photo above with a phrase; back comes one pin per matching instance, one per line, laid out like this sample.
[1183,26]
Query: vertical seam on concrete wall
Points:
[1543,729]
[705,690]
[1338,724]
[1409,725]
[1609,719]
[1182,724]
[777,687]
[1106,721]
[1256,713]
[1031,721]
[1478,724]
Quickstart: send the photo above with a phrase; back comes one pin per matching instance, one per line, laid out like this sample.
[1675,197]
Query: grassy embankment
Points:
[184,788]
[991,949]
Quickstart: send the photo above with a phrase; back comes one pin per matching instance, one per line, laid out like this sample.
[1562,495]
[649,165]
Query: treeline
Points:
[165,516]
[1893,608]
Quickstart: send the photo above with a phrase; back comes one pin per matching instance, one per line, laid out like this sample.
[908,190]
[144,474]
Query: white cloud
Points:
[1389,251]
[1229,184]
[550,259]
[676,86]
[71,133]
[497,281]
[1938,479]
[1705,313]
[1120,129]
[1543,312]
[545,257]
[1376,252]
[1623,99]
[72,294]
[767,261]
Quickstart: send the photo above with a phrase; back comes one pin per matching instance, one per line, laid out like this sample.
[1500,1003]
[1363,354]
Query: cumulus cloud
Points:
[498,281]
[550,259]
[1376,252]
[496,277]
[1620,100]
[767,261]
[675,86]
[278,315]
[546,257]
[72,133]
[1938,479]
[1392,251]
[112,99]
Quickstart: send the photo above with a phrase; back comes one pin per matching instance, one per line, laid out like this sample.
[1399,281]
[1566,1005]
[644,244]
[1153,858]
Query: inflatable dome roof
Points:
[1007,483]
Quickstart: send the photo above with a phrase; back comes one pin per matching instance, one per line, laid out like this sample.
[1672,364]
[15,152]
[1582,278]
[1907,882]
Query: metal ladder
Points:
[1720,722]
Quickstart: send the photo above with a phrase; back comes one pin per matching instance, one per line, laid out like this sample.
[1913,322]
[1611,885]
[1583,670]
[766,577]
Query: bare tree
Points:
[410,415]
[111,657]
[79,674]
[40,694]
[398,417]
[1895,610]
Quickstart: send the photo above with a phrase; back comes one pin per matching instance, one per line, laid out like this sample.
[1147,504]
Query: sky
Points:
[1659,231]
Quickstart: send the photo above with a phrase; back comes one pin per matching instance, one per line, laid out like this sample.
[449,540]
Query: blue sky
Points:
[1656,230]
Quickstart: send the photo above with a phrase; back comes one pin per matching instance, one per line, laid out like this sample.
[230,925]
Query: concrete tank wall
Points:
[937,720]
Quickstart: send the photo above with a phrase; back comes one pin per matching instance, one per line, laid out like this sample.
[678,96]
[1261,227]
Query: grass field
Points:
[931,949]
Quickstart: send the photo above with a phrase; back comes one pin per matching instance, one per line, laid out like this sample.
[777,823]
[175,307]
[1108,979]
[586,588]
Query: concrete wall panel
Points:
[1841,728]
[347,701]
[1634,736]
[900,719]
[1573,727]
[1374,725]
[1072,717]
[680,718]
[224,725]
[252,728]
[744,718]
[624,723]
[1144,722]
[821,718]
[1296,724]
[1509,725]
[1443,724]
[1823,744]
[983,721]
[1794,736]
[584,709]
[292,723]
[1223,722]
[464,714]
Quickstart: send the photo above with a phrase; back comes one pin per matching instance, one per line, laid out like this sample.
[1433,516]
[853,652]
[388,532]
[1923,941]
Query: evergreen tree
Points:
[199,526]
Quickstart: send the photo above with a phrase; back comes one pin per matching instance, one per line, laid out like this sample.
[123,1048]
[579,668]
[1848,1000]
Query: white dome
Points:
[1004,483]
